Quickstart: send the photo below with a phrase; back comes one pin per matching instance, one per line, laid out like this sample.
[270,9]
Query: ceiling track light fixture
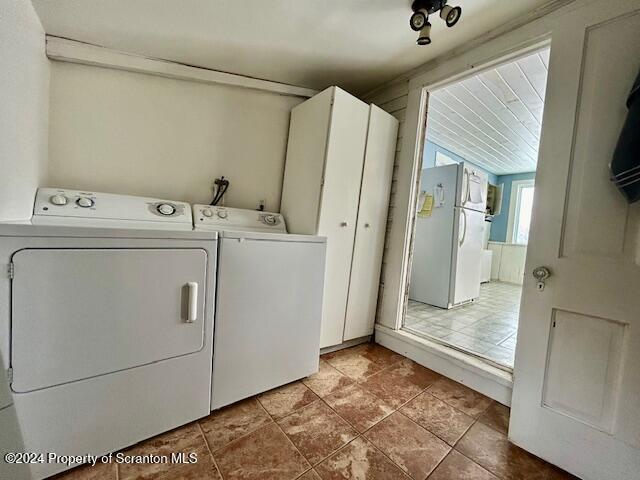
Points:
[419,21]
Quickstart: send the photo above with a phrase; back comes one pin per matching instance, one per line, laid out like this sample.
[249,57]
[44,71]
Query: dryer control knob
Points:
[58,199]
[84,202]
[207,212]
[222,213]
[166,209]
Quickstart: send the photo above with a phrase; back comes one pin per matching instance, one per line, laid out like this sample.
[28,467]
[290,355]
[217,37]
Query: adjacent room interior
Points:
[474,208]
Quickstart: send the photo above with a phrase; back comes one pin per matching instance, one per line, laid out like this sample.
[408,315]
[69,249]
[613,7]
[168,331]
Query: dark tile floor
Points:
[369,413]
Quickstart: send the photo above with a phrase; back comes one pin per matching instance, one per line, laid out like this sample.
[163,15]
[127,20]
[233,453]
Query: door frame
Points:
[532,31]
[478,373]
[413,147]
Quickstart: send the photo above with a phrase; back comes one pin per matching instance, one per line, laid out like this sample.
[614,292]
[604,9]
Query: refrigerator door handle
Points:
[465,186]
[464,229]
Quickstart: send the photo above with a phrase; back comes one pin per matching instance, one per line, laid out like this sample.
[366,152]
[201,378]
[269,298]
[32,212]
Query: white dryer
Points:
[10,435]
[57,206]
[268,302]
[108,332]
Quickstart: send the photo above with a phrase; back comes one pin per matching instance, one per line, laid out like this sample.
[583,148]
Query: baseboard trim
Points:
[470,371]
[347,344]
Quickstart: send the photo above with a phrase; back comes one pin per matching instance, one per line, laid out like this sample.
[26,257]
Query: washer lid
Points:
[208,217]
[282,237]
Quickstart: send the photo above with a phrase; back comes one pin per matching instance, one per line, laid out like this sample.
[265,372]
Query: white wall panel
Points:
[398,93]
[508,262]
[24,102]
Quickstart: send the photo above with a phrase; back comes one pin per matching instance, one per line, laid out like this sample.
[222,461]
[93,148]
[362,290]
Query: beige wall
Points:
[124,132]
[24,90]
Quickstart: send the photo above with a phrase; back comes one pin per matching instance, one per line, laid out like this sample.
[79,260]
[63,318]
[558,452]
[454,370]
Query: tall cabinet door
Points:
[371,225]
[339,207]
[306,153]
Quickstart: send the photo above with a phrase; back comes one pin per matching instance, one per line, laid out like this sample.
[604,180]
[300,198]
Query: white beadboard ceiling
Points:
[493,119]
[357,44]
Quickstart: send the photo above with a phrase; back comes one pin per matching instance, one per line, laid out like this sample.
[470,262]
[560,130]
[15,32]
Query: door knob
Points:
[541,274]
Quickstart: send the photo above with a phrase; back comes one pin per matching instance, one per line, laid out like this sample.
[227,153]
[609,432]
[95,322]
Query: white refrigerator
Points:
[447,255]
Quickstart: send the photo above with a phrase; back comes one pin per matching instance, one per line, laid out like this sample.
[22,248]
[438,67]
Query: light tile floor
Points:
[487,327]
[368,414]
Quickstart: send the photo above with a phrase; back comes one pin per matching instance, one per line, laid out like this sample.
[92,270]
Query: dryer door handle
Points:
[192,308]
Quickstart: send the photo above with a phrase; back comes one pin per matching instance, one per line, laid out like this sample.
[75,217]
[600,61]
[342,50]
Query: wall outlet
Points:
[262,205]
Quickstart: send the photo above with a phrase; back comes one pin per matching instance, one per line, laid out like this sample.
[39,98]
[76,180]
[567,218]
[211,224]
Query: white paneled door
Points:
[576,399]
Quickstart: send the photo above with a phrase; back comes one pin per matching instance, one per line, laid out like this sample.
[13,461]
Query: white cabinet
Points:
[336,184]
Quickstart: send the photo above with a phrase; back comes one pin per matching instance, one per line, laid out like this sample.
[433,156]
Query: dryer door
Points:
[79,313]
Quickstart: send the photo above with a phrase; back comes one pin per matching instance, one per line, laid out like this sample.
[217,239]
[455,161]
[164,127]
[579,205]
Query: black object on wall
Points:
[220,187]
[625,166]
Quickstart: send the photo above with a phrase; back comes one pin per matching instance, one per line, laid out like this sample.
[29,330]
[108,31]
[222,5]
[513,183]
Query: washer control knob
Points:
[222,214]
[166,209]
[207,212]
[270,219]
[84,202]
[58,199]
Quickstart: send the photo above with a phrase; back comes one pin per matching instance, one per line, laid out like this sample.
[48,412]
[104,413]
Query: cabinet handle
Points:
[344,224]
[367,225]
[192,310]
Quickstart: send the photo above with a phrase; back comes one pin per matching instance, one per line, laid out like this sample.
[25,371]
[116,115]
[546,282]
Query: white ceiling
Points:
[357,44]
[493,119]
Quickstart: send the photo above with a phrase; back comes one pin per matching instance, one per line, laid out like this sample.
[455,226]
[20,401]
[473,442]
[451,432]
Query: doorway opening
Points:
[476,193]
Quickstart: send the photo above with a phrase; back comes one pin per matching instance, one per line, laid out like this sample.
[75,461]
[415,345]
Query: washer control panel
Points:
[85,202]
[57,206]
[209,217]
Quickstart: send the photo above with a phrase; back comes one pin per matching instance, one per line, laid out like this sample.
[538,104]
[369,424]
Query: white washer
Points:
[268,302]
[108,332]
